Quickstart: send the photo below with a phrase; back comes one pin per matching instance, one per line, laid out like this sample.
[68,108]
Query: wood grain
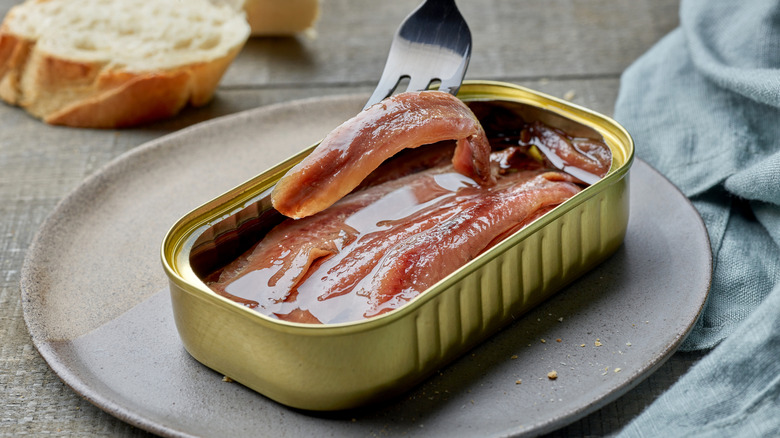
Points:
[573,48]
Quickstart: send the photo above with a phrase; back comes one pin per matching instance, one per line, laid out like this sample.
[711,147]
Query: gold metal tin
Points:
[340,366]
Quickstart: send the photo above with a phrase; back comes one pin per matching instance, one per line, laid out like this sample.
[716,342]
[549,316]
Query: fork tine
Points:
[452,84]
[418,83]
[385,87]
[390,77]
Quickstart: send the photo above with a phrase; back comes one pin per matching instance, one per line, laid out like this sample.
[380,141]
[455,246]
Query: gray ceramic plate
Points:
[96,302]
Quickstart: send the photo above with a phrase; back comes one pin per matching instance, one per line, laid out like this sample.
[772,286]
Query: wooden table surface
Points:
[575,49]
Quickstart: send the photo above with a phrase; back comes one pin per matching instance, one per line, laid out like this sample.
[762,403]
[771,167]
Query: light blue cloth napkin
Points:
[703,106]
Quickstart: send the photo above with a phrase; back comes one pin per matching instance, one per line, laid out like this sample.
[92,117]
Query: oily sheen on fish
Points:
[581,155]
[375,218]
[353,150]
[419,262]
[281,259]
[379,247]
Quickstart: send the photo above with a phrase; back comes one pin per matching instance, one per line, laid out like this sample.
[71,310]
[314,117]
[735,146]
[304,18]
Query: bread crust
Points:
[13,57]
[119,99]
[75,93]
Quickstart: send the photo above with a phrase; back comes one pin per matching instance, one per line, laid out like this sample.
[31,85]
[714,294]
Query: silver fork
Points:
[432,44]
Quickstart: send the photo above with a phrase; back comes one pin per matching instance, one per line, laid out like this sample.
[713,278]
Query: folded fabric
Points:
[703,106]
[731,392]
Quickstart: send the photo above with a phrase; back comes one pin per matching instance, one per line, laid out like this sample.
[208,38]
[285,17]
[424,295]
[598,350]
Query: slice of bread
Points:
[115,63]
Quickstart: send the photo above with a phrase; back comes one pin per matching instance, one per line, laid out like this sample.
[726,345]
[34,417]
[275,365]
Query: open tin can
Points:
[341,366]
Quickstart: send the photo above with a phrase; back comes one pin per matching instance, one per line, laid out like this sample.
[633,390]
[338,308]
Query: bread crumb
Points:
[552,375]
[617,370]
[598,343]
[569,95]
[582,345]
[518,381]
[558,340]
[514,356]
[227,379]
[628,344]
[560,319]
[543,341]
